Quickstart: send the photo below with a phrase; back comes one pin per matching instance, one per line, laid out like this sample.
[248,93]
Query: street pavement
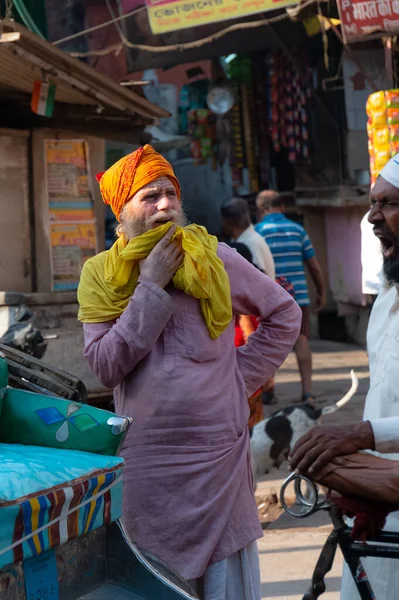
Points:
[290,547]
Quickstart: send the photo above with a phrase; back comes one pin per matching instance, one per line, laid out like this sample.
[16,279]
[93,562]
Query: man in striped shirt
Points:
[292,250]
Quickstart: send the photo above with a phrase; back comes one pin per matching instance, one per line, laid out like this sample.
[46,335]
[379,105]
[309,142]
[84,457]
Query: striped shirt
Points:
[291,248]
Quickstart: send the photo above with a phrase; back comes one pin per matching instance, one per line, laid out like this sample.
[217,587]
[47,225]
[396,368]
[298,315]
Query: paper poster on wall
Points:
[68,185]
[71,210]
[71,245]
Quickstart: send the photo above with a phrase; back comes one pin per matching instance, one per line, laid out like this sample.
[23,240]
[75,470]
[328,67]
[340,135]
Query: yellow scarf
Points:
[108,280]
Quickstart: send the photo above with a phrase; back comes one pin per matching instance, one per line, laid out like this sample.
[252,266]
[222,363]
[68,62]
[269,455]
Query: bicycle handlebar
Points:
[310,506]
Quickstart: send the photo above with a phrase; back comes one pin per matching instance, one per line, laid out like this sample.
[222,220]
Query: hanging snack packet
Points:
[381,137]
[392,99]
[394,133]
[378,119]
[393,116]
[381,157]
[375,103]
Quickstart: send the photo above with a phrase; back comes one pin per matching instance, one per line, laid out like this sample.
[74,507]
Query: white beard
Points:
[134,227]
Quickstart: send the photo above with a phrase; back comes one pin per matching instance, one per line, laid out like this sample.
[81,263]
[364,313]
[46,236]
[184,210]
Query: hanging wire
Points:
[115,22]
[116,48]
[9,7]
[324,37]
[8,15]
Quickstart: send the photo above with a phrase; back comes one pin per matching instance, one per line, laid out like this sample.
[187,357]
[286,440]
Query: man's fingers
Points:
[164,241]
[307,462]
[179,259]
[177,245]
[302,451]
[322,460]
[303,440]
[173,250]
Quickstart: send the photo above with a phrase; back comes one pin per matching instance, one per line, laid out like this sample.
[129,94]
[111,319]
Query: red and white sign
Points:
[362,18]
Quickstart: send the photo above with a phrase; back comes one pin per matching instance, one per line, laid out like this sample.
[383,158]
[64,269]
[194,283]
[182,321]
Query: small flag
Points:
[43,96]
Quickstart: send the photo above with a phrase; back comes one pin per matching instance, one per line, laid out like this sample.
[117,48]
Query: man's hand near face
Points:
[324,442]
[163,261]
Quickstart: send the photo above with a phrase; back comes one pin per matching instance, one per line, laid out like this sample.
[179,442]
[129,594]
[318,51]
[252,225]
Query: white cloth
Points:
[391,171]
[261,253]
[371,257]
[382,410]
[234,578]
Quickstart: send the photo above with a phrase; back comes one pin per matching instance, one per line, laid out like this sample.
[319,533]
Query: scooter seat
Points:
[59,494]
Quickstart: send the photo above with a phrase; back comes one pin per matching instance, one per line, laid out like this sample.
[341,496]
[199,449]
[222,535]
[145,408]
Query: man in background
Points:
[237,225]
[292,250]
[236,220]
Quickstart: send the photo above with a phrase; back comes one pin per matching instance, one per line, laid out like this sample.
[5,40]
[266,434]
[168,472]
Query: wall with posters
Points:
[64,230]
[69,212]
[72,220]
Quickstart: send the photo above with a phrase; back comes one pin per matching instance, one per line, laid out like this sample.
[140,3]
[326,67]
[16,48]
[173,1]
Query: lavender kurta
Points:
[188,490]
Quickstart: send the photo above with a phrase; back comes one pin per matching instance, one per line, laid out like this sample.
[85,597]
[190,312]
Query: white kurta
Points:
[382,410]
[371,256]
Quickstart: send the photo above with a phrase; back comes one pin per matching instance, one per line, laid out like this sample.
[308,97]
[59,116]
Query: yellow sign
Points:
[171,15]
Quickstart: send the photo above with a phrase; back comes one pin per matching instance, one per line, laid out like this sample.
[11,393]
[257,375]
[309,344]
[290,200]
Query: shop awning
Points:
[78,85]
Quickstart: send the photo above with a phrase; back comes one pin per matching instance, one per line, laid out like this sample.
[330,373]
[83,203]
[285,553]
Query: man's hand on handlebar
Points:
[324,442]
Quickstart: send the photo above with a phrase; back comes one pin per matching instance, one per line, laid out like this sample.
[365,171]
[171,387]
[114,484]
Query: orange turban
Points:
[127,176]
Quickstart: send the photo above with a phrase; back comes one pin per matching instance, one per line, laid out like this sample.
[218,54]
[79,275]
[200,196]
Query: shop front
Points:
[278,118]
[248,119]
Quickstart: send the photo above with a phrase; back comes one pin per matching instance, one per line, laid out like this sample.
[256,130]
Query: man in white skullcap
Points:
[379,432]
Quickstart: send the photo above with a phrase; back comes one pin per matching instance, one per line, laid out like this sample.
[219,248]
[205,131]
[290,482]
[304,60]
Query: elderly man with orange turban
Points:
[158,311]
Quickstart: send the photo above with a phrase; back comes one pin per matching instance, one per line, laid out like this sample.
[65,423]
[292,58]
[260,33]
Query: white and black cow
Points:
[273,438]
